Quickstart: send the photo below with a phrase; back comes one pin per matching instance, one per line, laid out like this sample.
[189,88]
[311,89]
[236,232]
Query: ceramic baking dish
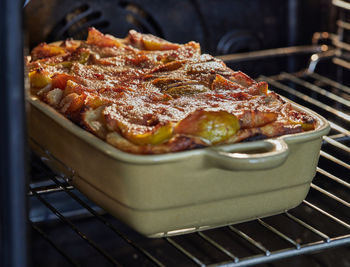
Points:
[181,192]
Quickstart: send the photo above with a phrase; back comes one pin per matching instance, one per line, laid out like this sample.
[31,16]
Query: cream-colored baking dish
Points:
[182,192]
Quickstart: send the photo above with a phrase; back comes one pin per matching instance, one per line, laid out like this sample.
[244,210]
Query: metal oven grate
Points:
[321,222]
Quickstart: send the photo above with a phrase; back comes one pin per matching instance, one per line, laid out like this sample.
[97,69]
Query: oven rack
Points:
[322,219]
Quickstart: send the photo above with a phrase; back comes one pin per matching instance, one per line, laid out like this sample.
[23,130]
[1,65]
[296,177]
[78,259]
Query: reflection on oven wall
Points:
[221,27]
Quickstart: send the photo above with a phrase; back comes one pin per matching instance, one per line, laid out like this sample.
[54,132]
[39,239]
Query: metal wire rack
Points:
[328,199]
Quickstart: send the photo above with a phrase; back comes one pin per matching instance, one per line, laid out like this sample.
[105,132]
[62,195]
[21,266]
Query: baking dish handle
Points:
[259,155]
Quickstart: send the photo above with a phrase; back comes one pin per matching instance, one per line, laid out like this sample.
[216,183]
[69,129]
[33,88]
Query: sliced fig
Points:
[222,83]
[45,50]
[214,126]
[103,40]
[159,134]
[39,79]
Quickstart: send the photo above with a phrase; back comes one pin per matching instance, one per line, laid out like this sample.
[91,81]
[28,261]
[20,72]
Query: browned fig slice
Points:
[214,126]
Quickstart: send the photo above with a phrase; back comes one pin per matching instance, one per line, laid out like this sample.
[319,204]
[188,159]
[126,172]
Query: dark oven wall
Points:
[221,27]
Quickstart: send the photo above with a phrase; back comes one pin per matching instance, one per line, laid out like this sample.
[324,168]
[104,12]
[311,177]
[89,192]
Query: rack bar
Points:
[107,223]
[336,144]
[343,24]
[337,136]
[339,128]
[334,159]
[250,240]
[333,177]
[280,234]
[341,3]
[48,189]
[341,62]
[330,195]
[184,251]
[330,82]
[327,214]
[218,246]
[271,53]
[307,98]
[75,229]
[305,49]
[316,89]
[340,44]
[309,227]
[287,253]
[48,239]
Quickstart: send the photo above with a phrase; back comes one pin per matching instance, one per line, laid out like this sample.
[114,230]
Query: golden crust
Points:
[145,95]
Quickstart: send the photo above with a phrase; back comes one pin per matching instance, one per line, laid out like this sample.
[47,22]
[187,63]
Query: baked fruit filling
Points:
[145,95]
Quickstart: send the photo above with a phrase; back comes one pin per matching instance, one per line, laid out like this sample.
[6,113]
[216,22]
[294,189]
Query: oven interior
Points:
[281,47]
